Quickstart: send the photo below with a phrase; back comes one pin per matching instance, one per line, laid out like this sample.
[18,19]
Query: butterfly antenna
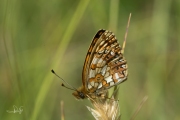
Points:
[125,37]
[67,87]
[72,88]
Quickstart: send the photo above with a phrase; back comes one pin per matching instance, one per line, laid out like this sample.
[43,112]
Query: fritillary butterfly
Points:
[104,66]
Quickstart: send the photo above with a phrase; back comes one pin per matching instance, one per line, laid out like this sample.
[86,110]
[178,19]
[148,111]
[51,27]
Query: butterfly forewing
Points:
[104,65]
[89,56]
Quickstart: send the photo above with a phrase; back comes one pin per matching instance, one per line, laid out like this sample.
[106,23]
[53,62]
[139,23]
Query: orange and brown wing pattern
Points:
[89,56]
[105,65]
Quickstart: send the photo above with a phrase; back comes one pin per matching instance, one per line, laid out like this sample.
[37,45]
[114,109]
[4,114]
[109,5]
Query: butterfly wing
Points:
[89,56]
[104,65]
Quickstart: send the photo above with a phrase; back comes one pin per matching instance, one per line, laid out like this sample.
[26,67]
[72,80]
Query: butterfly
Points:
[104,66]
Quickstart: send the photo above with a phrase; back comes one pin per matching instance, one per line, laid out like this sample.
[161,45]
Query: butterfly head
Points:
[80,93]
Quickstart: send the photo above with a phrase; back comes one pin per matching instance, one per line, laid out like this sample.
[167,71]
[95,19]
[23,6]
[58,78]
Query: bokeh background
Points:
[37,36]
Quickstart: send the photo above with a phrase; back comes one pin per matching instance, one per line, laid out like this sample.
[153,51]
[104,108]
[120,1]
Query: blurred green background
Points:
[37,36]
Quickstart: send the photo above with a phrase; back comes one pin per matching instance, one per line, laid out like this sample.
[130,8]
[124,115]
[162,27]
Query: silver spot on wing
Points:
[111,83]
[94,61]
[92,83]
[116,75]
[109,79]
[103,71]
[100,60]
[106,75]
[92,73]
[89,86]
[100,85]
[96,85]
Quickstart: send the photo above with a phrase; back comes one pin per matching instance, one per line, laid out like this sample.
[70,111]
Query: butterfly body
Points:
[82,93]
[104,66]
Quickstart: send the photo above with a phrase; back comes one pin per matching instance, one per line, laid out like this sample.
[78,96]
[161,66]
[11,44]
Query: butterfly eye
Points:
[81,95]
